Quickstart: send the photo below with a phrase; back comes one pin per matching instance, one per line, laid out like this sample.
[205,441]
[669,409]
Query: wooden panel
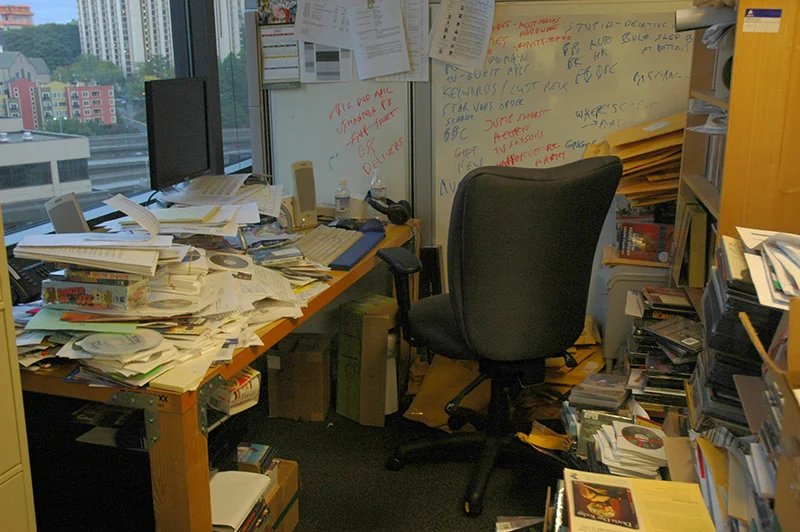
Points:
[708,96]
[9,442]
[761,185]
[14,505]
[179,474]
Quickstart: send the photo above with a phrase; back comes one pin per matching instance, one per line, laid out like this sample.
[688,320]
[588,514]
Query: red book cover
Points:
[644,241]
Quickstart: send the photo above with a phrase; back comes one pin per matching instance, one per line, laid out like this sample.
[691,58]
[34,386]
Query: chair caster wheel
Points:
[394,464]
[455,423]
[473,509]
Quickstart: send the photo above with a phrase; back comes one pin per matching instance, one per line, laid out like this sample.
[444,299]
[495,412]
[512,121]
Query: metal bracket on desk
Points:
[203,396]
[144,402]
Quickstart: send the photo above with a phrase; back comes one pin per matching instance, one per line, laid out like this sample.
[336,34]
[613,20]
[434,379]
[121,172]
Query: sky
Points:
[45,11]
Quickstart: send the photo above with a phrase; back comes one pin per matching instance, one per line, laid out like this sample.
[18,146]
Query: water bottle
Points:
[378,192]
[342,200]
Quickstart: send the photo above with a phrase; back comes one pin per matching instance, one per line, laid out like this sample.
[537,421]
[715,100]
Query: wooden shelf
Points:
[707,193]
[610,258]
[707,96]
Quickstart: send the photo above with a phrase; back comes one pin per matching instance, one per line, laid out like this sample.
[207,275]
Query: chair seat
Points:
[433,325]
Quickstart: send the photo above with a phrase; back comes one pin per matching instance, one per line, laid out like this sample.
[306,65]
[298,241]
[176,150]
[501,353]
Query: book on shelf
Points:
[644,241]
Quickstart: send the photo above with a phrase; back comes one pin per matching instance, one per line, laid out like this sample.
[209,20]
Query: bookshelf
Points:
[760,181]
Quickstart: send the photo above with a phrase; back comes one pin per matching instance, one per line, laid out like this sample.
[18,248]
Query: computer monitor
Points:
[177,130]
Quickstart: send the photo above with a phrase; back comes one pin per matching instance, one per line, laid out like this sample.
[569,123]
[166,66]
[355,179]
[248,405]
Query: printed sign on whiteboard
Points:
[762,21]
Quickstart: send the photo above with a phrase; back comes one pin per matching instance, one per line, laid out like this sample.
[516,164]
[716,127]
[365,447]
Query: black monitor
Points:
[177,130]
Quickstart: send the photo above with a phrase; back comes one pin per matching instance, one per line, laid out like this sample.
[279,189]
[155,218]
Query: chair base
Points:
[491,448]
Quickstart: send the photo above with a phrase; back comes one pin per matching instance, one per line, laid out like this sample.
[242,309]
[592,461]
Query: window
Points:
[124,167]
[233,83]
[73,170]
[25,175]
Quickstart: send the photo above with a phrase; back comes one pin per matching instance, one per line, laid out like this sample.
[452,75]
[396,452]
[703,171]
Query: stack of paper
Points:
[651,157]
[774,262]
[219,220]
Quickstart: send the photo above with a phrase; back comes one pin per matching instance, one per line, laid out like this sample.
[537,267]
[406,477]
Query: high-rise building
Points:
[126,32]
[15,17]
[229,15]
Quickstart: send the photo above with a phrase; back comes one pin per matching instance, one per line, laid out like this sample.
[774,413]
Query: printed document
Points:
[209,190]
[461,33]
[379,38]
[321,63]
[323,22]
[415,14]
[279,54]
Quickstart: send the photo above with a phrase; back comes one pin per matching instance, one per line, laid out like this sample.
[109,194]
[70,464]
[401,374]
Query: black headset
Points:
[398,212]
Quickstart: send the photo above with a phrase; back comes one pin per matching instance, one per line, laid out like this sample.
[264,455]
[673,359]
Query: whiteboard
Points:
[346,130]
[559,75]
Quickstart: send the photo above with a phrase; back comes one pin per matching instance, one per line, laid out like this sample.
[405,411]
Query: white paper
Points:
[30,338]
[137,261]
[279,54]
[275,284]
[320,63]
[323,22]
[139,214]
[415,14]
[462,31]
[247,213]
[753,238]
[267,198]
[766,295]
[105,240]
[229,229]
[379,38]
[776,258]
[209,190]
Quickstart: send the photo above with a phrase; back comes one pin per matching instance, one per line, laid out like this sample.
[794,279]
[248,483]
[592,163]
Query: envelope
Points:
[652,129]
[662,142]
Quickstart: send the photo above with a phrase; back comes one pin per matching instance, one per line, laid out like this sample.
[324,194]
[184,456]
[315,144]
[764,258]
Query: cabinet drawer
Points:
[13,504]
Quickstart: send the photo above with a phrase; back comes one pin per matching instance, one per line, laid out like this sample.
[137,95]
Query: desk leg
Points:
[179,474]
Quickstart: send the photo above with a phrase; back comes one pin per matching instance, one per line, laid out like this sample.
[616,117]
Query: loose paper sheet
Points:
[279,53]
[462,31]
[323,22]
[324,64]
[379,38]
[415,14]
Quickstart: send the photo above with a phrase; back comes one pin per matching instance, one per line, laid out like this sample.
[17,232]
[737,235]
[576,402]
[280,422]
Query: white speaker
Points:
[723,64]
[66,215]
[305,195]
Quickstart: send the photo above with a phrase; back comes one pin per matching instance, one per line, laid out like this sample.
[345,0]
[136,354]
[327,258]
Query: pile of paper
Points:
[229,190]
[201,306]
[630,450]
[774,262]
[651,158]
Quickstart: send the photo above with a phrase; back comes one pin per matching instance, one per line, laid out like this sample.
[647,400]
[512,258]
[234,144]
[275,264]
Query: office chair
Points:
[521,246]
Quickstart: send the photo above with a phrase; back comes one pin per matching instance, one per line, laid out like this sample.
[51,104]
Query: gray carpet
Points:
[346,487]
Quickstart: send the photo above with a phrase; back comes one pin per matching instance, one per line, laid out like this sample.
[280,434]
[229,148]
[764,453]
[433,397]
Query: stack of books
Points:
[238,501]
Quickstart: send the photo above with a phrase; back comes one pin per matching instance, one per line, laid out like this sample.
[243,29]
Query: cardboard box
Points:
[361,359]
[283,501]
[299,377]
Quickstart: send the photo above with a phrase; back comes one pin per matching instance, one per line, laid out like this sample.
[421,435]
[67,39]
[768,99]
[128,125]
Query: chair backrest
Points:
[520,252]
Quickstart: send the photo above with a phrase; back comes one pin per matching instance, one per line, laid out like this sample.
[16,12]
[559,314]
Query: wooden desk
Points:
[179,459]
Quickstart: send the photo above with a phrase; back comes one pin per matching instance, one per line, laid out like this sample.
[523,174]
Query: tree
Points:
[233,90]
[157,67]
[58,44]
[70,126]
[88,68]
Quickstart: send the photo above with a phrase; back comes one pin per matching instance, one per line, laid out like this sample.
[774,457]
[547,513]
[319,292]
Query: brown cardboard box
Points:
[283,502]
[299,377]
[361,359]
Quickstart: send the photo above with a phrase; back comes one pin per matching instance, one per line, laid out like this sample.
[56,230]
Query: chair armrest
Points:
[400,260]
[402,264]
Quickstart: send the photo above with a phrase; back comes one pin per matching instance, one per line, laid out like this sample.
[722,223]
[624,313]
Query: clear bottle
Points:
[342,200]
[378,192]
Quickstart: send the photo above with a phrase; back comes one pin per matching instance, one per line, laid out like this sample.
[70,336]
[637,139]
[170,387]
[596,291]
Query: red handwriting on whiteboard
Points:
[383,156]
